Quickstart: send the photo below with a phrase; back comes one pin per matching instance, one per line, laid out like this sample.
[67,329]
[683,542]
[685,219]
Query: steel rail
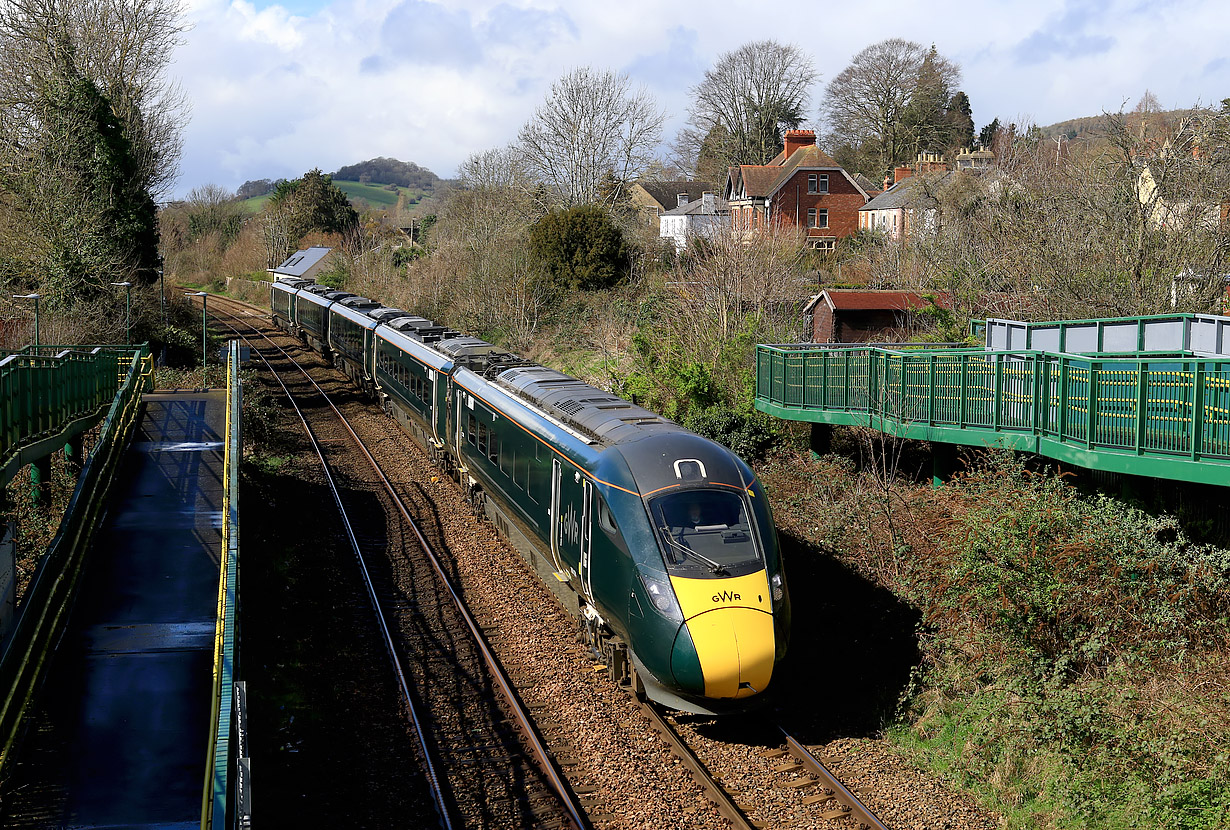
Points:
[524,721]
[700,773]
[437,790]
[857,809]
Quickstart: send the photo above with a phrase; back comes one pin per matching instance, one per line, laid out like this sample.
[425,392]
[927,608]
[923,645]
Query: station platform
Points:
[122,729]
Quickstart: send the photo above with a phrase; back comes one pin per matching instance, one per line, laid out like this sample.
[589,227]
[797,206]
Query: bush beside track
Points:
[1075,661]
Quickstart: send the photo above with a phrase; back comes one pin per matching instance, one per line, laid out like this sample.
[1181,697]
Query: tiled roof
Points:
[761,180]
[906,193]
[758,179]
[667,193]
[696,208]
[867,184]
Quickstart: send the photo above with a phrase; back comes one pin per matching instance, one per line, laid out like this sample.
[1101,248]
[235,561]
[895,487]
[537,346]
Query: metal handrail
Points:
[1146,406]
[44,609]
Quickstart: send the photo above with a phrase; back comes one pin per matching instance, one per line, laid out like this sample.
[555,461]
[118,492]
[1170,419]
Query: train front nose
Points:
[733,649]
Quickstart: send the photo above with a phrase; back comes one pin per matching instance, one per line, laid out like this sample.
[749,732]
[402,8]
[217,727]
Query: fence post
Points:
[1197,409]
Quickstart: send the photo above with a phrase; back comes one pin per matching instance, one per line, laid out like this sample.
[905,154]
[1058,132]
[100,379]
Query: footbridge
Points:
[1147,396]
[119,700]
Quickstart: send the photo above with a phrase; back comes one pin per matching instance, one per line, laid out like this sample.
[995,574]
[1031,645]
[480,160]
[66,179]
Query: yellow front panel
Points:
[696,596]
[731,624]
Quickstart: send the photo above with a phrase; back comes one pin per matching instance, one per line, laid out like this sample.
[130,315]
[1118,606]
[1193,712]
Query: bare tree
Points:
[1127,222]
[744,103]
[122,46]
[865,102]
[592,135]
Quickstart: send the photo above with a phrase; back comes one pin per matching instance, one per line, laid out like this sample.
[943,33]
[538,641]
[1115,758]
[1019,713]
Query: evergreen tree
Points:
[76,193]
[924,119]
[960,118]
[300,206]
[986,137]
[581,247]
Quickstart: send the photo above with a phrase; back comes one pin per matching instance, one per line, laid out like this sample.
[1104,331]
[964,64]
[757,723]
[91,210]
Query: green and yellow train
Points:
[660,541]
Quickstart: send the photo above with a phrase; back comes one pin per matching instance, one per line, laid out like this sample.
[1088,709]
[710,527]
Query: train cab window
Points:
[705,534]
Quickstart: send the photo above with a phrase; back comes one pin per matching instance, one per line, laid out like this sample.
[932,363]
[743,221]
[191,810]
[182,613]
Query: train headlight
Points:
[778,589]
[659,593]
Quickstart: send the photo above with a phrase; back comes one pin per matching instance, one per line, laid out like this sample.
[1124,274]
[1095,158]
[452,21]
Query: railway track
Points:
[483,760]
[801,782]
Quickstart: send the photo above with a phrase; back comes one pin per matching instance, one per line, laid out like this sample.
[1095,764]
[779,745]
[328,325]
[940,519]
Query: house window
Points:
[825,244]
[811,217]
[822,218]
[824,183]
[813,183]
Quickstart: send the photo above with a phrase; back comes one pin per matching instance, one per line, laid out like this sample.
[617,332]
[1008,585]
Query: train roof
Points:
[359,303]
[354,315]
[385,314]
[417,349]
[605,418]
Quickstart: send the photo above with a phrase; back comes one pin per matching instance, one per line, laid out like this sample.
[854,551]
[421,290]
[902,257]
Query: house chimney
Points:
[708,203]
[797,139]
[681,199]
[903,172]
[888,181]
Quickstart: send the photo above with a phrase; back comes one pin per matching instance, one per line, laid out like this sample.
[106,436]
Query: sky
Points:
[278,88]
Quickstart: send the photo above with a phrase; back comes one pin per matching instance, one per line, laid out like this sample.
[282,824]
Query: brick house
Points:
[861,316]
[801,188]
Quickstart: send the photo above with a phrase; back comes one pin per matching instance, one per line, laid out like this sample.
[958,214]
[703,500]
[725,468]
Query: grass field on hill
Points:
[374,195]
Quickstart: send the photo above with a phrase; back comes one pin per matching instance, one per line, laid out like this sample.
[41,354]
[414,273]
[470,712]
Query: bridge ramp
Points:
[121,737]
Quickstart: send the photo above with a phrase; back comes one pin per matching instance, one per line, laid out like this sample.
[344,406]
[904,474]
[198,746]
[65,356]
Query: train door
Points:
[433,377]
[556,517]
[570,522]
[586,537]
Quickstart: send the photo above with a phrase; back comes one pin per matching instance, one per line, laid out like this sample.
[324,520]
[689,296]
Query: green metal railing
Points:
[44,609]
[49,394]
[224,798]
[1165,416]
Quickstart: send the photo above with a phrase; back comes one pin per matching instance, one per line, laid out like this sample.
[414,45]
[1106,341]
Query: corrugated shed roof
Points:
[855,300]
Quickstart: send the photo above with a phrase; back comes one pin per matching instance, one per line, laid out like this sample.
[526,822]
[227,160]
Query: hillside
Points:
[375,194]
[382,170]
[1091,126]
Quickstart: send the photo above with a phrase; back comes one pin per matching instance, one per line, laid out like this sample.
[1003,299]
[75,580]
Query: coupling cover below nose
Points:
[736,650]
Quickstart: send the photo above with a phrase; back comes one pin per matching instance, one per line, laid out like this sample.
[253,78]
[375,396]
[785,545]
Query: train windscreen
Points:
[705,534]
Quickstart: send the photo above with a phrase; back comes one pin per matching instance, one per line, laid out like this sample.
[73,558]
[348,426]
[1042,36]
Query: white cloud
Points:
[277,89]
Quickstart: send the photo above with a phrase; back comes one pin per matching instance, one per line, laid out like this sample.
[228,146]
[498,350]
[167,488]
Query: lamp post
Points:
[36,298]
[127,286]
[204,297]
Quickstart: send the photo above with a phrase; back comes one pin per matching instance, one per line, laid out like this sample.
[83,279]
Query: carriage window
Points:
[471,431]
[482,438]
[493,450]
[605,520]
